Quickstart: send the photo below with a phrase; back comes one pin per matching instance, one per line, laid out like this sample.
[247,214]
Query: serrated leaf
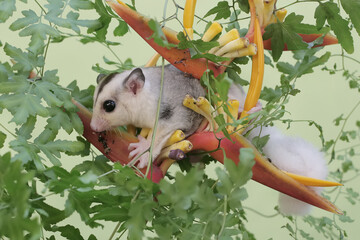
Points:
[27,128]
[38,33]
[104,20]
[352,8]
[222,10]
[307,61]
[49,214]
[58,146]
[44,89]
[329,11]
[30,18]
[6,9]
[26,152]
[236,197]
[70,232]
[225,184]
[59,119]
[24,61]
[17,85]
[22,106]
[286,32]
[241,173]
[14,202]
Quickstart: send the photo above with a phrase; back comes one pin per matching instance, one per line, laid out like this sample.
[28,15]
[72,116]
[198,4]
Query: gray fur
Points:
[176,86]
[139,107]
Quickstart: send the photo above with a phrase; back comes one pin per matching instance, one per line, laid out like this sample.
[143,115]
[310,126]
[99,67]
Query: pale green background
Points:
[323,97]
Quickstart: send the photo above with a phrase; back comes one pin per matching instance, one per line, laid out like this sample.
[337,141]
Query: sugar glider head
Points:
[113,97]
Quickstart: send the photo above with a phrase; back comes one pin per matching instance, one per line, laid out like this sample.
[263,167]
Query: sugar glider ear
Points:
[100,77]
[135,81]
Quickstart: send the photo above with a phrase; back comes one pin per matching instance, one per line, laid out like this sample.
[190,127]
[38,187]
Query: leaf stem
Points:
[41,7]
[7,130]
[259,213]
[342,129]
[45,55]
[344,56]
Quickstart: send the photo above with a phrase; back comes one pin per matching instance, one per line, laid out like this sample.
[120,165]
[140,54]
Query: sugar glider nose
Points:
[98,125]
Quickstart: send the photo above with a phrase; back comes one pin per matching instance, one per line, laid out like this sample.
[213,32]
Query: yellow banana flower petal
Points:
[188,19]
[308,181]
[153,60]
[214,29]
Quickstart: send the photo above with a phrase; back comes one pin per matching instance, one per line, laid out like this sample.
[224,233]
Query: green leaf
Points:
[329,11]
[352,8]
[27,128]
[287,33]
[271,95]
[22,106]
[72,21]
[121,29]
[70,232]
[18,84]
[15,211]
[241,173]
[244,5]
[305,64]
[158,36]
[222,10]
[198,44]
[45,90]
[38,33]
[24,61]
[236,197]
[225,185]
[59,119]
[114,214]
[26,152]
[30,18]
[81,4]
[7,7]
[58,146]
[2,139]
[260,142]
[105,19]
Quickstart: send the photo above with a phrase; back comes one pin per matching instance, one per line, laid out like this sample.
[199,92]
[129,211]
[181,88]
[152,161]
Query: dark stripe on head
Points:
[105,81]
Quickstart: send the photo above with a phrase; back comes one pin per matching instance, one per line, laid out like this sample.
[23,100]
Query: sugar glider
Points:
[292,154]
[131,97]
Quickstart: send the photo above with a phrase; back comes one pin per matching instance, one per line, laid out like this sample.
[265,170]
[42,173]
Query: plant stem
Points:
[342,128]
[115,230]
[7,130]
[261,214]
[344,56]
[45,55]
[157,119]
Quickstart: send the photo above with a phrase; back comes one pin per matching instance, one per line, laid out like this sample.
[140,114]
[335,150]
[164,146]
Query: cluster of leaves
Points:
[192,206]
[100,191]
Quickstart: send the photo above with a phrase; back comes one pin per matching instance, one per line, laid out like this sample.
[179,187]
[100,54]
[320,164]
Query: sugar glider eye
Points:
[109,105]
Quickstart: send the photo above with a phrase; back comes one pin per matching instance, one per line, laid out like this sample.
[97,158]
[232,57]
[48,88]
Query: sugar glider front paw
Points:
[139,148]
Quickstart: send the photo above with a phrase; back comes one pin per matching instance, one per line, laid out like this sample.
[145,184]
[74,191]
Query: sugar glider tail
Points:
[294,155]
